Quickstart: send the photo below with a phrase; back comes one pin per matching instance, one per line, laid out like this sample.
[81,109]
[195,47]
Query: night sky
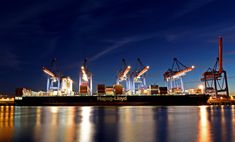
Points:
[32,33]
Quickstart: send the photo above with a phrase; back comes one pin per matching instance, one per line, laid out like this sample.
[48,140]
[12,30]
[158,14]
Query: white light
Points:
[231,97]
[86,127]
[84,77]
[54,109]
[201,86]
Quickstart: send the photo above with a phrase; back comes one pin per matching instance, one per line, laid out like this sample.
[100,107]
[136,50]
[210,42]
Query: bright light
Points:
[144,70]
[48,72]
[204,126]
[67,85]
[86,127]
[231,97]
[84,75]
[54,109]
[201,86]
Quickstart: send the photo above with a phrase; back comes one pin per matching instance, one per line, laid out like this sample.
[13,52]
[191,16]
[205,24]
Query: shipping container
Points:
[83,89]
[118,89]
[109,90]
[154,89]
[100,89]
[163,90]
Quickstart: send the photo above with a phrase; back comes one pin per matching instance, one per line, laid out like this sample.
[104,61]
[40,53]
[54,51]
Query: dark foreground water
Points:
[124,124]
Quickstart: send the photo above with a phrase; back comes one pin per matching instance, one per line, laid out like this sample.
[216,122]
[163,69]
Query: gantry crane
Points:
[54,78]
[174,76]
[123,76]
[215,79]
[85,80]
[139,77]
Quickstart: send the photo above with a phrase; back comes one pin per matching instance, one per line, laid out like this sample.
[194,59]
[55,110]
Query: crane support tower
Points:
[174,76]
[85,80]
[123,76]
[138,78]
[53,79]
[215,79]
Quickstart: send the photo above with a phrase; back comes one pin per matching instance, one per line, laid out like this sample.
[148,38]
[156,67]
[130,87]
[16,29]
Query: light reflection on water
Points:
[204,127]
[124,124]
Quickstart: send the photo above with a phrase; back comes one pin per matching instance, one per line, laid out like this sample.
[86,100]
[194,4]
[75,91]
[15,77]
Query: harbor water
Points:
[121,124]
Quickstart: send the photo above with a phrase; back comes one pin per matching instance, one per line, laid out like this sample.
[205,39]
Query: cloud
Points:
[9,59]
[175,36]
[109,49]
[119,44]
[116,44]
[191,6]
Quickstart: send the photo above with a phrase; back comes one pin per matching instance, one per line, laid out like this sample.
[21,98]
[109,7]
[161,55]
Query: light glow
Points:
[67,85]
[84,74]
[204,126]
[54,110]
[143,71]
[86,128]
[201,87]
[124,73]
[180,73]
[48,72]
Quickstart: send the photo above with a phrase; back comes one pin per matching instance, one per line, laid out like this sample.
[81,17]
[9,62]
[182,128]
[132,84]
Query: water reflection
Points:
[136,123]
[6,123]
[86,127]
[204,126]
[124,124]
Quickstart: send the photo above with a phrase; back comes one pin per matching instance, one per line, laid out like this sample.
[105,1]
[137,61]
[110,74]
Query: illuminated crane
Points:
[139,77]
[124,76]
[85,80]
[53,79]
[174,76]
[215,78]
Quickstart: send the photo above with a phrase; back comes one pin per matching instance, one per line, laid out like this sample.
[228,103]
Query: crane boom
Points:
[84,74]
[179,73]
[124,73]
[143,71]
[220,55]
[48,72]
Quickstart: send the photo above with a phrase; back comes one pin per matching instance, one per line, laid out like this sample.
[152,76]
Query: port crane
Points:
[123,76]
[54,78]
[85,80]
[215,79]
[174,76]
[139,77]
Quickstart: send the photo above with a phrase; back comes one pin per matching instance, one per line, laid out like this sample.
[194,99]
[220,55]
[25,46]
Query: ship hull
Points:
[180,100]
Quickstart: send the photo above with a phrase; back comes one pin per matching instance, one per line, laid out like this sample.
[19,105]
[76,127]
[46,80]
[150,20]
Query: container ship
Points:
[45,99]
[130,87]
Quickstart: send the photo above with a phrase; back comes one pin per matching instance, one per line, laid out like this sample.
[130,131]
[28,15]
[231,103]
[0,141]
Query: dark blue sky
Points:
[32,33]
